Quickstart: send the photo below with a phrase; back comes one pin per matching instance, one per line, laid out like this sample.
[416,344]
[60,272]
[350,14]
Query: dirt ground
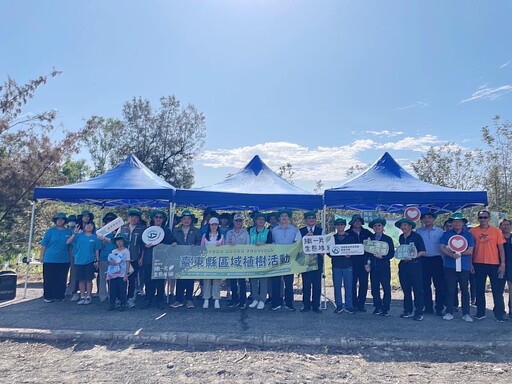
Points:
[67,362]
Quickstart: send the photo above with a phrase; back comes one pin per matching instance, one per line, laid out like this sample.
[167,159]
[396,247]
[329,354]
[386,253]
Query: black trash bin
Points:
[8,281]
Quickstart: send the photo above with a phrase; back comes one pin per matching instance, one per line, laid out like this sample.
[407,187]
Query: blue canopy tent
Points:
[255,186]
[386,186]
[129,183]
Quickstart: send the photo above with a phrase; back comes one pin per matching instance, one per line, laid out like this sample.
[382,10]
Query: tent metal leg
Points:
[323,303]
[29,251]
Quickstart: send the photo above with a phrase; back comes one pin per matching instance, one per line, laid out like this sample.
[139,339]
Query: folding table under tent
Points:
[386,186]
[254,187]
[130,183]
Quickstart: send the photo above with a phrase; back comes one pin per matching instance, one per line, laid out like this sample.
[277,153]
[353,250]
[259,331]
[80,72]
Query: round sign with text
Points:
[412,213]
[458,243]
[153,235]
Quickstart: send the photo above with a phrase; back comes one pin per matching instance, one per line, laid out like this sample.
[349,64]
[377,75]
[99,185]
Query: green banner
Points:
[230,262]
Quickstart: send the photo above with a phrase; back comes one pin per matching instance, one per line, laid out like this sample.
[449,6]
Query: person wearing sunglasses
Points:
[488,261]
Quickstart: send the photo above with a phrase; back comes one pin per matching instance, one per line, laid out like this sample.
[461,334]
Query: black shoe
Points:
[377,311]
[384,313]
[418,317]
[439,312]
[232,304]
[361,309]
[501,319]
[305,309]
[317,310]
[406,315]
[275,308]
[338,310]
[291,308]
[350,311]
[243,306]
[428,311]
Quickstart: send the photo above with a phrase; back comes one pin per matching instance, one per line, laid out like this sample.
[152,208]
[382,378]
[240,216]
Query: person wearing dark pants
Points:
[409,271]
[359,264]
[380,269]
[457,275]
[312,280]
[489,261]
[432,264]
[284,233]
[155,288]
[185,234]
[55,256]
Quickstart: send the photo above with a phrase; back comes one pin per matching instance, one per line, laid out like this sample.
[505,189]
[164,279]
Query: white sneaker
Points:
[75,297]
[216,305]
[448,316]
[261,305]
[254,304]
[88,300]
[206,304]
[467,318]
[81,301]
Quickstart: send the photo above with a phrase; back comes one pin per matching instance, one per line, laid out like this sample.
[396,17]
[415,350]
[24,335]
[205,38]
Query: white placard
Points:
[347,249]
[153,235]
[110,227]
[317,244]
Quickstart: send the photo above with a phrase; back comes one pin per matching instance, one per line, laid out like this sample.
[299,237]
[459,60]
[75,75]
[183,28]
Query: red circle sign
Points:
[412,213]
[458,243]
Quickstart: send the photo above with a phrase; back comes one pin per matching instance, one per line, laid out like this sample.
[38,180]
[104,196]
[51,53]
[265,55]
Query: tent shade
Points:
[388,187]
[129,183]
[255,186]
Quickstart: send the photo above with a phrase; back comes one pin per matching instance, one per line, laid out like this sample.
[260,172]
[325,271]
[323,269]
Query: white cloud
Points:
[416,144]
[504,65]
[311,164]
[385,133]
[418,104]
[488,93]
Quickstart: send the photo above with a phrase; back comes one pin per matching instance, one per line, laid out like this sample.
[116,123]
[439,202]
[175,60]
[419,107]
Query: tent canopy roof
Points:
[388,187]
[255,186]
[129,183]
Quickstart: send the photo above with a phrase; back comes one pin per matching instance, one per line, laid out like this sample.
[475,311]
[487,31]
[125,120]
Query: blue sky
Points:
[319,84]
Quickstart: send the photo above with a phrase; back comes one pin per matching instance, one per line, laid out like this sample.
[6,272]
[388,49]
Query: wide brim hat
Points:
[272,214]
[309,214]
[405,220]
[356,217]
[88,213]
[377,220]
[340,221]
[226,215]
[428,213]
[457,216]
[157,212]
[257,214]
[109,217]
[134,212]
[123,237]
[72,218]
[185,213]
[286,211]
[60,215]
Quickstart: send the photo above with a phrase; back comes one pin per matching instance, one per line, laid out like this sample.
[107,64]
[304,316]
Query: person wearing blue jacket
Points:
[380,269]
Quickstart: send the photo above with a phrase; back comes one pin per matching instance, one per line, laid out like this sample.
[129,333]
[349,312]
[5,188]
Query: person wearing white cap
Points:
[211,287]
[235,236]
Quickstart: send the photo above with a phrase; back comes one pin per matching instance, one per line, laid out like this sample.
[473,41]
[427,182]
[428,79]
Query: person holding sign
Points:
[342,269]
[117,272]
[409,271]
[489,260]
[359,264]
[284,233]
[457,247]
[185,234]
[380,271]
[107,246]
[154,287]
[312,280]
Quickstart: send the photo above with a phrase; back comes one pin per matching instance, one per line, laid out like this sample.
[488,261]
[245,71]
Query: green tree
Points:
[29,156]
[166,139]
[75,171]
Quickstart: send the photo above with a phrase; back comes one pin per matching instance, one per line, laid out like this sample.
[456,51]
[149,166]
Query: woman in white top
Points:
[211,287]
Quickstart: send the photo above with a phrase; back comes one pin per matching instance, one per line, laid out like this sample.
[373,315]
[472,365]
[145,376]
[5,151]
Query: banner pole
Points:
[324,288]
[29,251]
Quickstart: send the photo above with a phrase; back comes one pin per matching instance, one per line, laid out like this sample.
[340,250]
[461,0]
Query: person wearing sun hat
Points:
[238,236]
[133,231]
[409,271]
[284,233]
[432,264]
[312,280]
[118,270]
[185,234]
[380,269]
[359,264]
[452,277]
[273,220]
[107,246]
[55,256]
[84,218]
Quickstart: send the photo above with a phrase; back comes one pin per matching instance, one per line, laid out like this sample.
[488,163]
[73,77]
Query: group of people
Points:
[122,263]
